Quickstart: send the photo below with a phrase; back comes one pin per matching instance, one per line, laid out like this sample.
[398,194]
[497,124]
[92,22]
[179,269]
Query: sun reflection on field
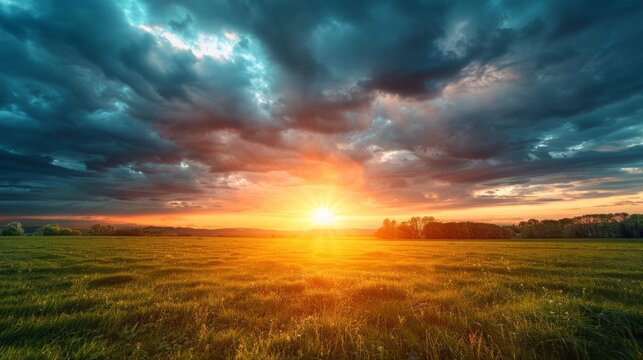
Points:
[331,297]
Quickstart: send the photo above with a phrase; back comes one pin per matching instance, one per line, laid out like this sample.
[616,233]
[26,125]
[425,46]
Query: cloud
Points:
[136,106]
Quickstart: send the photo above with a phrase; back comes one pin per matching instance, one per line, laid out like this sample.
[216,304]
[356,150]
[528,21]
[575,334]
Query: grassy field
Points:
[239,298]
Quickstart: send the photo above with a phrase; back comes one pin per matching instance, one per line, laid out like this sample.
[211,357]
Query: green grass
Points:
[184,298]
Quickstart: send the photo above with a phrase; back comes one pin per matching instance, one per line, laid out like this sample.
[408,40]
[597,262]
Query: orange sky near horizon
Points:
[296,213]
[137,113]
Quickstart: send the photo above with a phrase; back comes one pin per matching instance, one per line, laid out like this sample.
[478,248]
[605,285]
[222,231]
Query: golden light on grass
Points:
[330,298]
[323,216]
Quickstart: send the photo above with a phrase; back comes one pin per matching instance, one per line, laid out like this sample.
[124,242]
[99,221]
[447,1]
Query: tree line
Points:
[108,230]
[428,228]
[16,229]
[618,225]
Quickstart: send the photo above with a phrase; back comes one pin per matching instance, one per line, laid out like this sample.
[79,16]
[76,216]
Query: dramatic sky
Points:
[254,113]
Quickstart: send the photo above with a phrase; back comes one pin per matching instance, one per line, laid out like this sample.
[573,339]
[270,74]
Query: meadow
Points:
[319,298]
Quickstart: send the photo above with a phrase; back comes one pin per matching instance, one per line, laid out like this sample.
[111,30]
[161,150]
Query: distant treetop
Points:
[618,225]
[55,230]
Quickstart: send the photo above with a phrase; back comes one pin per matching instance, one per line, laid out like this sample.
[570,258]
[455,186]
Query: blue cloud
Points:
[101,102]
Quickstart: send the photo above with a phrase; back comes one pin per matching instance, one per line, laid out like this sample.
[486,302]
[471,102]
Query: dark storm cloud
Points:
[133,104]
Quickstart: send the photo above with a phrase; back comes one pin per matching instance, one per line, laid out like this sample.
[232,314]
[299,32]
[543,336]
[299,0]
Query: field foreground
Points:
[182,298]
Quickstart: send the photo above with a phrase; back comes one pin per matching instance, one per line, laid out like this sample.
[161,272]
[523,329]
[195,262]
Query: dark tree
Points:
[388,230]
[427,228]
[13,229]
[101,230]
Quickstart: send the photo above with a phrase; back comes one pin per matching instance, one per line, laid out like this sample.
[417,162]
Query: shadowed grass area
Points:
[319,298]
[111,280]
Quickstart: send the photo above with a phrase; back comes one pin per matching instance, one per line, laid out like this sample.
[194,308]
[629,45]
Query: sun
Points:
[323,216]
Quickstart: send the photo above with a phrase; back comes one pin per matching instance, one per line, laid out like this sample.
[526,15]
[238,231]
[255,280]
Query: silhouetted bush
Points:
[101,230]
[12,229]
[55,230]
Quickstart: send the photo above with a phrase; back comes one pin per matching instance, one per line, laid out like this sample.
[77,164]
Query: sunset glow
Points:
[203,116]
[291,179]
[323,216]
